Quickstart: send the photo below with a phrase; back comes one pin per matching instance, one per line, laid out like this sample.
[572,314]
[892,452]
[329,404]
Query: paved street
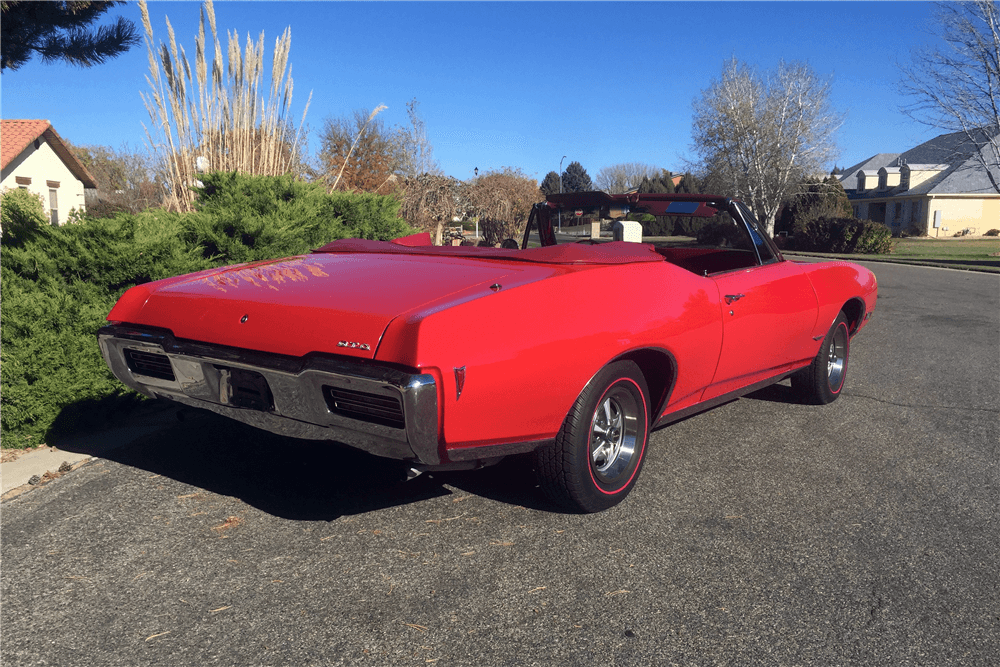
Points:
[761,533]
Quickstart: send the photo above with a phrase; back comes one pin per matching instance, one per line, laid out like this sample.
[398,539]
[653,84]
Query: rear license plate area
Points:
[245,389]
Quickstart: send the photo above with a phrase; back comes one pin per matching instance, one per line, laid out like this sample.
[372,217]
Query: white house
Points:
[941,187]
[35,158]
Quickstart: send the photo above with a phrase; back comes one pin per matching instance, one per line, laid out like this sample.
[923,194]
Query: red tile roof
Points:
[17,135]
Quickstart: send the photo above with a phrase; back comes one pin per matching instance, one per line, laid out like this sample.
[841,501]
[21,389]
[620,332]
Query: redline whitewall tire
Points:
[822,381]
[600,449]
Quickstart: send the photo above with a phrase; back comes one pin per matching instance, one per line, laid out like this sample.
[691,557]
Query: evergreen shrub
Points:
[651,225]
[874,239]
[59,283]
[844,235]
[22,215]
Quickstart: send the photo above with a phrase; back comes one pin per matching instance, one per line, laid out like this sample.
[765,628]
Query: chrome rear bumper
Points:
[314,397]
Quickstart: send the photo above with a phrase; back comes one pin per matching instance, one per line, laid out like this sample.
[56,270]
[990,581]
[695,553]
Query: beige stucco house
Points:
[940,188]
[35,158]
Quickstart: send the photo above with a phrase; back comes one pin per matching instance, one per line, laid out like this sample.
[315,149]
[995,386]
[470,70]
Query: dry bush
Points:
[429,202]
[219,115]
[502,201]
[359,153]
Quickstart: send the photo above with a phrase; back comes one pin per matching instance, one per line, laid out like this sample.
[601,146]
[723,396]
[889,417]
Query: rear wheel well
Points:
[659,368]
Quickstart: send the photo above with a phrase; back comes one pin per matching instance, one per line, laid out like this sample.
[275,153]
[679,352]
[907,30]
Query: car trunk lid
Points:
[338,303]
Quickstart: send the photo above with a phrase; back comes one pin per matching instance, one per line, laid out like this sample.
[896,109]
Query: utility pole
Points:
[560,192]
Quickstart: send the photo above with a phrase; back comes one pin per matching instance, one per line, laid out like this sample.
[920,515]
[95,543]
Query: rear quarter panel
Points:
[529,349]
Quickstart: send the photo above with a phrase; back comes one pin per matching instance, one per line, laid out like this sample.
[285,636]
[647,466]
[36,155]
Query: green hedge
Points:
[57,284]
[845,235]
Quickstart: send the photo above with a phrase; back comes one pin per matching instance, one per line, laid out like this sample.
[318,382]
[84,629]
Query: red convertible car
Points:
[454,357]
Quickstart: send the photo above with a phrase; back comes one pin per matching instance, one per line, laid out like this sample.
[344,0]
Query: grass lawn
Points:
[977,254]
[973,254]
[970,250]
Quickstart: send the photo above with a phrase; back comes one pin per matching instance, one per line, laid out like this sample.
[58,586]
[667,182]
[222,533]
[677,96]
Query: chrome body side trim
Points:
[202,371]
[697,408]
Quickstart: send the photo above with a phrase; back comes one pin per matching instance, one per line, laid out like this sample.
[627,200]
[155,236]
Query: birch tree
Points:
[759,134]
[956,86]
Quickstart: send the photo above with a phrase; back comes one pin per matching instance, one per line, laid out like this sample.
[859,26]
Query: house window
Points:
[54,206]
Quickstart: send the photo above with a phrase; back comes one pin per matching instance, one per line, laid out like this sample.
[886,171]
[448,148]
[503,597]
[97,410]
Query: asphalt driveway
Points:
[763,532]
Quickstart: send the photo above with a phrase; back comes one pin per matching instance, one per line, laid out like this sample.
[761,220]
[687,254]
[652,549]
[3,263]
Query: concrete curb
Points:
[42,463]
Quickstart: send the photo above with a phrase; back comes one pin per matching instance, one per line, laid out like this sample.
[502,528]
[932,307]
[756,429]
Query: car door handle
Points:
[733,297]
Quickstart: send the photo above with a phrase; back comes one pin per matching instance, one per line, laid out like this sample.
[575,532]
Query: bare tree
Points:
[127,180]
[218,118]
[760,135]
[622,177]
[956,87]
[418,154]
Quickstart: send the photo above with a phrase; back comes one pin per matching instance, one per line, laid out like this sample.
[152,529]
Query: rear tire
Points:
[601,446]
[821,381]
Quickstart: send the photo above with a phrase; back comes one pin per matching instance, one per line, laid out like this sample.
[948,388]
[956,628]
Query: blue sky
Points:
[520,84]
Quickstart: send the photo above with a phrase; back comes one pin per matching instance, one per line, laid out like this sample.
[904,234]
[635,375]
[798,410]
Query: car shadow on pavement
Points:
[303,480]
[512,482]
[776,393]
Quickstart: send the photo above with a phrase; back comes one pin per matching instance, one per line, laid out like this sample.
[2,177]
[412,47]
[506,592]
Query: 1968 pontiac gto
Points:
[454,357]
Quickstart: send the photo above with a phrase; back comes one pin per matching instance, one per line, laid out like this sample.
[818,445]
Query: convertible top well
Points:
[617,252]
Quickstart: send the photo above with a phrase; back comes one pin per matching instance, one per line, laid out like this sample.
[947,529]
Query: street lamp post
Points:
[560,192]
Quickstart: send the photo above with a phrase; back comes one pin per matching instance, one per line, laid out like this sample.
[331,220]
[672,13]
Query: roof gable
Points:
[871,165]
[953,156]
[16,135]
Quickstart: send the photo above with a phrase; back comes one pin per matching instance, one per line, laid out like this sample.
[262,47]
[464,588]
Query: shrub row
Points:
[58,283]
[844,235]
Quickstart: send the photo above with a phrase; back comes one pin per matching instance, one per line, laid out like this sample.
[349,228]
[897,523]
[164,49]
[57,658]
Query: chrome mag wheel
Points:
[837,358]
[614,434]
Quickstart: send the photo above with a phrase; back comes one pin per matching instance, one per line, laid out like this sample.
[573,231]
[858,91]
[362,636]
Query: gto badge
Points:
[353,345]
